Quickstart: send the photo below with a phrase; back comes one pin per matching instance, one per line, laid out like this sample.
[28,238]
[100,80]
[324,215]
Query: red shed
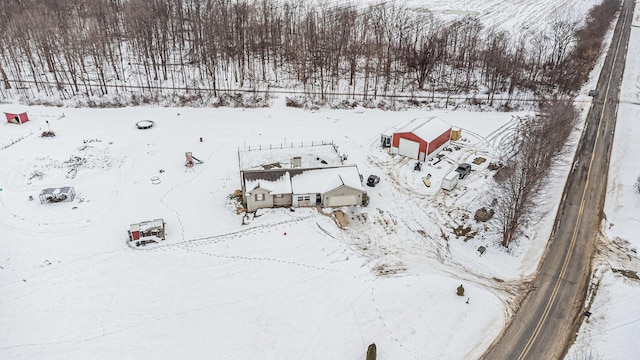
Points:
[17,118]
[422,138]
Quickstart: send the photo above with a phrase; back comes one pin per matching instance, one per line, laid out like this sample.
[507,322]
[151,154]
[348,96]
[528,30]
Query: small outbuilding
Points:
[19,118]
[56,195]
[421,138]
[147,232]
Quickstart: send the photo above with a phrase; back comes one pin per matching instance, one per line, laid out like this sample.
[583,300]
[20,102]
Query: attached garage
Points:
[341,200]
[421,138]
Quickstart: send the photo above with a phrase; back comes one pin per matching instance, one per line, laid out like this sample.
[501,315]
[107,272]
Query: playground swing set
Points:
[191,160]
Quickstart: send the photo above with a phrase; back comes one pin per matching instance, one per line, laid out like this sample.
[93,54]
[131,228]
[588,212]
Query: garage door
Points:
[344,200]
[409,148]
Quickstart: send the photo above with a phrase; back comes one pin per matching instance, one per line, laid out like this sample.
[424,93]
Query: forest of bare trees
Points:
[202,48]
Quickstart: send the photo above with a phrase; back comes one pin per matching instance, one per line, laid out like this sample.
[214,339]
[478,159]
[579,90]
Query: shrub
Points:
[372,352]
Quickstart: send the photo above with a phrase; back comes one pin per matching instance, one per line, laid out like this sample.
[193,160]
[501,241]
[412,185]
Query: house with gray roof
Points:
[333,186]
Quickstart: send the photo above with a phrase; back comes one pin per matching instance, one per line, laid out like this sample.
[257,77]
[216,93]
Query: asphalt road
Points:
[553,310]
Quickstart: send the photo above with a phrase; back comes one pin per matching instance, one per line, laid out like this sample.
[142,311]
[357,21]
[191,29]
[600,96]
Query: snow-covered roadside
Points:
[609,332]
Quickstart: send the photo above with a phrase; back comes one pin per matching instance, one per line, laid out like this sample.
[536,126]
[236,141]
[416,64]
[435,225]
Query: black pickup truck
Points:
[463,169]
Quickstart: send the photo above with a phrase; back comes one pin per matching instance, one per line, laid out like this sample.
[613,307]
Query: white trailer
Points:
[450,181]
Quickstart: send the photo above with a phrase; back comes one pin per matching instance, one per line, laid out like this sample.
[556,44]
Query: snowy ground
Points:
[615,308]
[289,284]
[517,16]
[280,286]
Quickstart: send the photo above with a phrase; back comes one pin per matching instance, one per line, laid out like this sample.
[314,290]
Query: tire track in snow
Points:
[420,203]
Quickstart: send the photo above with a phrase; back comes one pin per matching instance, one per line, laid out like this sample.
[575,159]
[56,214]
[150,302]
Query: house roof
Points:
[303,181]
[319,181]
[428,129]
[276,181]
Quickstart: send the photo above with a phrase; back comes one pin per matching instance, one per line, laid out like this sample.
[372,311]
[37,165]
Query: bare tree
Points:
[536,144]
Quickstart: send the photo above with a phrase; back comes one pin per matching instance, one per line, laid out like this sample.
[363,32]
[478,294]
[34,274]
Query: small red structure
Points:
[147,232]
[20,118]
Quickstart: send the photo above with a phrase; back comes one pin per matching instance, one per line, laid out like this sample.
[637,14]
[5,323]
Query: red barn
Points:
[17,118]
[421,139]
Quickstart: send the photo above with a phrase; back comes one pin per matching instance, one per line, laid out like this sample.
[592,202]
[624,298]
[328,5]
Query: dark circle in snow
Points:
[144,124]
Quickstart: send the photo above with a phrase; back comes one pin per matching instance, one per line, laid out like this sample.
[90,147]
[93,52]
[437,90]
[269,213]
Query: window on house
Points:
[279,196]
[300,198]
[259,197]
[307,198]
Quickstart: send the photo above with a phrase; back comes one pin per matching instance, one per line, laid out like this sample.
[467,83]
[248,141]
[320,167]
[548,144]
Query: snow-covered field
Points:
[517,16]
[288,284]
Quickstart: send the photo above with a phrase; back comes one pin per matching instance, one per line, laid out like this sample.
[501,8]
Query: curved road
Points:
[552,311]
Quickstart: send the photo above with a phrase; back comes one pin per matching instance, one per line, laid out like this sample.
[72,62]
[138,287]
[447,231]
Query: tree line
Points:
[539,141]
[74,48]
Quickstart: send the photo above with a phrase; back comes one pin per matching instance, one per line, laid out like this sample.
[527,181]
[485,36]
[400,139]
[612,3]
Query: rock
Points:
[483,214]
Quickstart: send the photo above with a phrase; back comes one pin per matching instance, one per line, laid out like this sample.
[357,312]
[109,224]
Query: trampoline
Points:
[144,124]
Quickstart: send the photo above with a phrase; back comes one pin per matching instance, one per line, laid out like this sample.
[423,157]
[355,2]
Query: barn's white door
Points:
[409,148]
[343,200]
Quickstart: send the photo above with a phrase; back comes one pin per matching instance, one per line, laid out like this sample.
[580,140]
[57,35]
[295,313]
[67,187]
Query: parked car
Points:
[373,180]
[463,169]
[593,93]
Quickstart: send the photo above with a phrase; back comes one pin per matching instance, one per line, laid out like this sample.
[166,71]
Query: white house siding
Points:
[304,200]
[253,204]
[283,200]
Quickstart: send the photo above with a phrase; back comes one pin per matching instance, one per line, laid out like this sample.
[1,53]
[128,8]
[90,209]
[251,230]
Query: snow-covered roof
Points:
[428,129]
[303,181]
[318,181]
[146,225]
[56,191]
[394,129]
[276,181]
